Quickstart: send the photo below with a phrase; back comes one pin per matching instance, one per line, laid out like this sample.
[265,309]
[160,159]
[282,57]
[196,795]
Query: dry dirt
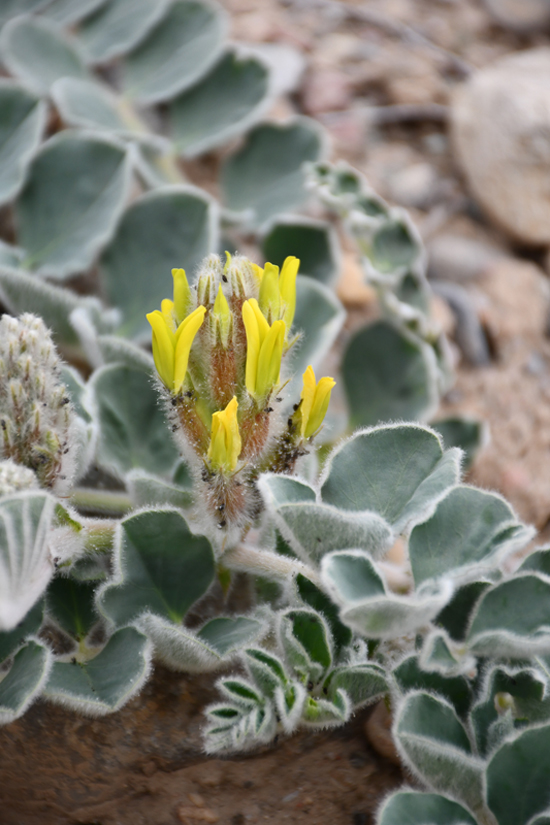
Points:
[405,53]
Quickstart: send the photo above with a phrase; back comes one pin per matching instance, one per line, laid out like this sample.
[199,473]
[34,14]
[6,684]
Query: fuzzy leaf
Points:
[435,744]
[211,647]
[67,12]
[389,375]
[469,534]
[147,490]
[172,226]
[517,778]
[278,490]
[21,292]
[398,471]
[512,619]
[37,53]
[266,175]
[319,316]
[12,639]
[363,683]
[353,582]
[71,603]
[319,601]
[469,434]
[311,631]
[455,616]
[85,182]
[22,121]
[25,563]
[526,686]
[414,808]
[103,684]
[176,53]
[160,567]
[538,562]
[14,8]
[122,351]
[455,689]
[24,681]
[133,431]
[232,729]
[394,248]
[221,106]
[266,670]
[314,242]
[115,27]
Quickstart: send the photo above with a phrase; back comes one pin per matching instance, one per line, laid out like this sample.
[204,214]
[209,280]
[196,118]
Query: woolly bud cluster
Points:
[14,477]
[35,410]
[220,350]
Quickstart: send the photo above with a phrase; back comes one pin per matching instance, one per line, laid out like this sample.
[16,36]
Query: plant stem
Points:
[111,502]
[265,563]
[99,535]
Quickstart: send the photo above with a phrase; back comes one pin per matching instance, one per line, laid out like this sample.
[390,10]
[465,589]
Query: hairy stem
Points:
[264,563]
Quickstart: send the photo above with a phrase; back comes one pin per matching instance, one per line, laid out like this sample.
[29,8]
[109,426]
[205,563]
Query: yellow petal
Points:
[163,347]
[269,361]
[270,299]
[184,338]
[320,405]
[225,444]
[255,333]
[167,309]
[307,396]
[222,312]
[182,294]
[287,288]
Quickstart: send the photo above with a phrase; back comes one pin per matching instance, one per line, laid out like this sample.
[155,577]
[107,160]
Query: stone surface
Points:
[520,15]
[501,136]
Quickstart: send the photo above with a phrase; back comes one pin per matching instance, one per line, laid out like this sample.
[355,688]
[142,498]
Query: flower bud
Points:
[14,477]
[314,401]
[225,443]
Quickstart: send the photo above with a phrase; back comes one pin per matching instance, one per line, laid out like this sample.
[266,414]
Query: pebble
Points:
[500,129]
[190,816]
[468,333]
[523,16]
[460,259]
[326,90]
[378,732]
[414,186]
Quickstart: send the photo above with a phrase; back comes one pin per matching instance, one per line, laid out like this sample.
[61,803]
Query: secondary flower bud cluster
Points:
[35,410]
[220,349]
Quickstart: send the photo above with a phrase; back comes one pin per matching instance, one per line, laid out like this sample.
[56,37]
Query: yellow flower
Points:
[264,350]
[225,443]
[278,291]
[171,348]
[315,399]
[222,317]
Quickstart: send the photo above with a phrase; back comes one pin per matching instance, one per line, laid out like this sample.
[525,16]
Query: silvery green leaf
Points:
[399,471]
[315,598]
[176,53]
[278,490]
[173,226]
[117,26]
[455,616]
[314,242]
[362,683]
[470,434]
[24,681]
[389,374]
[22,122]
[537,561]
[83,429]
[393,248]
[290,702]
[85,181]
[14,8]
[67,12]
[221,106]
[512,619]
[319,317]
[240,692]
[21,292]
[132,427]
[408,675]
[344,190]
[416,808]
[89,105]
[326,713]
[266,670]
[435,746]
[25,561]
[106,682]
[38,54]
[524,691]
[305,639]
[209,648]
[147,490]
[71,604]
[10,640]
[233,729]
[160,567]
[351,579]
[286,65]
[10,255]
[266,175]
[441,655]
[517,778]
[470,533]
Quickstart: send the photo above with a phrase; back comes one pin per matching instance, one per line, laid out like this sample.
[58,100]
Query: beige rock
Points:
[500,129]
[520,15]
[326,90]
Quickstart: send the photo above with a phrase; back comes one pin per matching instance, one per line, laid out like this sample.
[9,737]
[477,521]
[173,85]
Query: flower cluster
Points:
[219,349]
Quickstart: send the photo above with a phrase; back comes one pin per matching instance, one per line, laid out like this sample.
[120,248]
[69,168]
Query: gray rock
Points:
[522,16]
[500,128]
